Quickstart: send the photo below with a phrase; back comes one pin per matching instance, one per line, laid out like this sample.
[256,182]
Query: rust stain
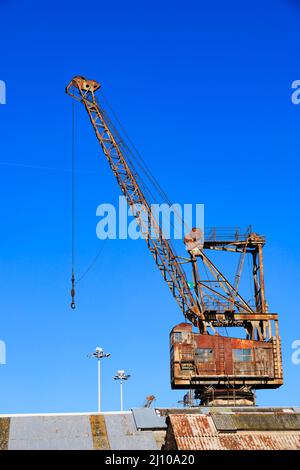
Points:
[197,432]
[99,433]
[4,433]
[193,426]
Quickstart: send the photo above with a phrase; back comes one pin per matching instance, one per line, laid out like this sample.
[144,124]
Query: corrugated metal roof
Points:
[258,409]
[77,431]
[198,443]
[224,422]
[53,433]
[193,425]
[240,442]
[123,435]
[217,429]
[265,441]
[192,432]
[267,421]
[257,421]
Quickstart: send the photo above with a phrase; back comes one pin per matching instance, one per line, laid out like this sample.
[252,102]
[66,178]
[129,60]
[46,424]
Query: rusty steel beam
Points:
[242,316]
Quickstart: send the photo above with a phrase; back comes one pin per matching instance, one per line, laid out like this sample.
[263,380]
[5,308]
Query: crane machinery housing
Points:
[221,369]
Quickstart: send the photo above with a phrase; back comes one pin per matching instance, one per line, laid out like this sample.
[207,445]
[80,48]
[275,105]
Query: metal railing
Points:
[226,233]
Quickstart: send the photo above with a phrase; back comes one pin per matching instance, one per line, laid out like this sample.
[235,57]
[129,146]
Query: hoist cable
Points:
[93,262]
[73,209]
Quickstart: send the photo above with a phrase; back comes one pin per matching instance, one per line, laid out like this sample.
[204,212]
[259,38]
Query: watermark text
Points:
[2,352]
[136,221]
[2,92]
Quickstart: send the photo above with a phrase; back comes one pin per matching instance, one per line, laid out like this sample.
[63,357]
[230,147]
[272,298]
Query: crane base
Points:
[212,396]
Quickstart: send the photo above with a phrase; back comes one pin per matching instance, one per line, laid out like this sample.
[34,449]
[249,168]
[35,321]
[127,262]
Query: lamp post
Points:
[121,375]
[99,354]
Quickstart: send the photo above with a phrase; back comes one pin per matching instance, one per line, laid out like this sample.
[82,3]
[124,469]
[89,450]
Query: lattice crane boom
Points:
[84,91]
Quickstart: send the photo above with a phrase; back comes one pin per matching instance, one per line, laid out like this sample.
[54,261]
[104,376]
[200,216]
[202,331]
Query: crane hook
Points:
[72,305]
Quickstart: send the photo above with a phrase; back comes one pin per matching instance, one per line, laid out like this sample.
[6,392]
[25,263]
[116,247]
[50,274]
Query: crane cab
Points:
[199,360]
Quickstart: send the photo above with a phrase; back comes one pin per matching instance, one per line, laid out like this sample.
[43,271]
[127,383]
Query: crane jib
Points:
[84,91]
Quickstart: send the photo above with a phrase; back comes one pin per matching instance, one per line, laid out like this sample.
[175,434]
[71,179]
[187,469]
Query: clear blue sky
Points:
[203,89]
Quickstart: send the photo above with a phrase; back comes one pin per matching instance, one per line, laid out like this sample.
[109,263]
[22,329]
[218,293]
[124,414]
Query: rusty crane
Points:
[220,368]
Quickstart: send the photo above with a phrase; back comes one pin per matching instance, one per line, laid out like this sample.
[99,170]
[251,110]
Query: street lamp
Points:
[121,376]
[99,354]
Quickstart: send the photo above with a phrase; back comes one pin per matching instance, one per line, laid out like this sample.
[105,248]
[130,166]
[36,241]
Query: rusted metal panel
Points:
[198,443]
[260,441]
[238,442]
[4,433]
[192,425]
[99,432]
[191,368]
[197,432]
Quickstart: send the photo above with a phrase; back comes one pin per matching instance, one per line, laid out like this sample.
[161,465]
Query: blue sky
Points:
[203,89]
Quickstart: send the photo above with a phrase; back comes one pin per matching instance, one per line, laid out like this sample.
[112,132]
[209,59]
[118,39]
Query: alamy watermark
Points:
[2,352]
[295,96]
[296,354]
[2,92]
[137,221]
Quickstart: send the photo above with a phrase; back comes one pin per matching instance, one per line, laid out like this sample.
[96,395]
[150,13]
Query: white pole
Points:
[99,389]
[121,394]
